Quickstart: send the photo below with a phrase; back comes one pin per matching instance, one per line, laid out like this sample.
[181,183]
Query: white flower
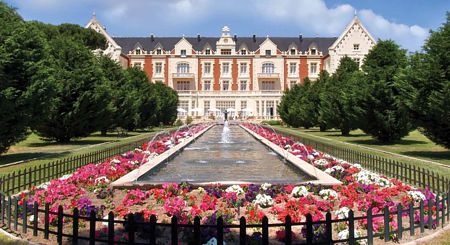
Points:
[357,165]
[287,147]
[105,223]
[102,179]
[321,162]
[64,177]
[417,196]
[266,186]
[138,150]
[116,161]
[213,241]
[310,157]
[31,219]
[345,234]
[365,177]
[133,162]
[236,189]
[334,169]
[263,200]
[299,191]
[328,194]
[43,186]
[147,152]
[342,213]
[201,190]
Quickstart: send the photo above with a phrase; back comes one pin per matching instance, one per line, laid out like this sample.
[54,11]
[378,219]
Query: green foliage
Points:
[178,123]
[386,117]
[271,122]
[429,74]
[340,103]
[189,120]
[166,104]
[25,77]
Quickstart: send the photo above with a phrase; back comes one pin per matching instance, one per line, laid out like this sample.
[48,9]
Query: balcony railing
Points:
[183,75]
[268,75]
[229,92]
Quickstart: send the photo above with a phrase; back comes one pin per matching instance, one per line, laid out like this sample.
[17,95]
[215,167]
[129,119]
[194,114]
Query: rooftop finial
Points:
[226,31]
[356,13]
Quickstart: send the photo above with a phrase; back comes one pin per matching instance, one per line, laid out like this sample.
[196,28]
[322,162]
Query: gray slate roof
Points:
[168,43]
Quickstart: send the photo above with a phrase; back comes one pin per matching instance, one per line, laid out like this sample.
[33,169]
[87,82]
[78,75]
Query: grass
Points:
[414,145]
[34,147]
[4,240]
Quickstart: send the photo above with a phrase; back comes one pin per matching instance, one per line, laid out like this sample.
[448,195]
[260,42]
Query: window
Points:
[183,53]
[355,46]
[138,65]
[292,83]
[158,68]
[225,51]
[293,68]
[293,51]
[183,68]
[158,81]
[268,68]
[183,85]
[243,52]
[207,51]
[225,85]
[183,104]
[206,106]
[243,68]
[138,51]
[243,86]
[222,105]
[207,86]
[207,68]
[313,68]
[357,60]
[313,51]
[268,52]
[243,104]
[158,51]
[268,85]
[225,68]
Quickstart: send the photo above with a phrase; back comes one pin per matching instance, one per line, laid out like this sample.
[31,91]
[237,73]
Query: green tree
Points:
[295,108]
[167,103]
[430,77]
[341,101]
[25,76]
[82,99]
[385,114]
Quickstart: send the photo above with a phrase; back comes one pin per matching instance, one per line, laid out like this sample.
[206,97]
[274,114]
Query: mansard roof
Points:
[283,43]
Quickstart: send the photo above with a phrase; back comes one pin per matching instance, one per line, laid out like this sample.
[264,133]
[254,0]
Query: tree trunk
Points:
[104,132]
[345,131]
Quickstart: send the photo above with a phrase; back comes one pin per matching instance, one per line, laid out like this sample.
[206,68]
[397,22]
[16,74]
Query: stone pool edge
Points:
[130,179]
[322,178]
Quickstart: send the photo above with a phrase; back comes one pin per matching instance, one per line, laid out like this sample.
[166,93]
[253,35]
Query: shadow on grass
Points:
[75,142]
[376,142]
[437,155]
[15,157]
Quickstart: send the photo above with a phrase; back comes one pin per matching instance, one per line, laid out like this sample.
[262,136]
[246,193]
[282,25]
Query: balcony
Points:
[293,75]
[183,75]
[269,75]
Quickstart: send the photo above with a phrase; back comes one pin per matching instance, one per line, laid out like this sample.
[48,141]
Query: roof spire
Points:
[355,14]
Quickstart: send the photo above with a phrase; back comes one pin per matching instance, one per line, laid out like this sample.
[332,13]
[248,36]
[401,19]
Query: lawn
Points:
[34,151]
[414,145]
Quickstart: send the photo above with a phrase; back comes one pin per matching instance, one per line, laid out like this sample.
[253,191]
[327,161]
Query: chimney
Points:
[235,37]
[198,38]
[254,38]
[300,38]
[152,37]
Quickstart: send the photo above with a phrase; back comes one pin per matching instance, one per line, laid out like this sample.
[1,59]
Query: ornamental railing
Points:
[78,227]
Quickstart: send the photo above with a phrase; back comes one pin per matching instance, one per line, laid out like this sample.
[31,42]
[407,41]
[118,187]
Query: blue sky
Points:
[406,21]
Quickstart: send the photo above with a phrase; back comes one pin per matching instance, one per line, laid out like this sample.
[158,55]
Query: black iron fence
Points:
[75,228]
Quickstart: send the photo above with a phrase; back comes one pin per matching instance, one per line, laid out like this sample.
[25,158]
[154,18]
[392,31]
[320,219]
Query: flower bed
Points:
[88,189]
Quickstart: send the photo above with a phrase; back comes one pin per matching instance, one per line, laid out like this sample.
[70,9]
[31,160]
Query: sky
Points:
[405,21]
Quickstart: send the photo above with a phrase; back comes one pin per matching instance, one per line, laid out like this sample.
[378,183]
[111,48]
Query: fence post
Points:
[174,231]
[92,220]
[386,224]
[437,210]
[411,220]
[153,229]
[60,224]
[369,227]
[2,207]
[24,217]
[8,212]
[35,218]
[443,211]
[351,228]
[46,220]
[399,222]
[265,231]
[422,218]
[111,228]
[309,229]
[16,213]
[220,230]
[76,215]
[197,238]
[430,214]
[242,231]
[448,205]
[288,231]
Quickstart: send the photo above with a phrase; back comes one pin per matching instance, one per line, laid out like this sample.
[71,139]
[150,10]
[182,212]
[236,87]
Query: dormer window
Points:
[183,53]
[293,51]
[243,52]
[207,51]
[159,51]
[268,53]
[356,46]
[313,51]
[225,51]
[138,51]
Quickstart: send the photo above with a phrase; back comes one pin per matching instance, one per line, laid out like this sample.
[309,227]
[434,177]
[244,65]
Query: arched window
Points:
[268,68]
[183,68]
